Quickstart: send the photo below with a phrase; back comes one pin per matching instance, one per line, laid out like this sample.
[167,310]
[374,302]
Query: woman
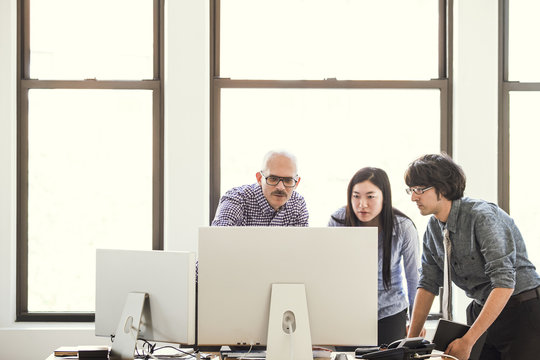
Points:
[369,203]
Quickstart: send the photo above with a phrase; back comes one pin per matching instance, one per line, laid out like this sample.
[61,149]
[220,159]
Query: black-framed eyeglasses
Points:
[417,190]
[273,180]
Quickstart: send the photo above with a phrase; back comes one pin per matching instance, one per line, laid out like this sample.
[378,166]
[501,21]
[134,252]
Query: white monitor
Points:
[238,265]
[168,277]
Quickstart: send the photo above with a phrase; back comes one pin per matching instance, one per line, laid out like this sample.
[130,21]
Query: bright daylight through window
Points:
[523,97]
[341,84]
[333,130]
[89,128]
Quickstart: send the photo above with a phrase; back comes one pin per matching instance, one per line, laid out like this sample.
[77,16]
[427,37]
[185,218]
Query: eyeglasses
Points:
[274,180]
[417,190]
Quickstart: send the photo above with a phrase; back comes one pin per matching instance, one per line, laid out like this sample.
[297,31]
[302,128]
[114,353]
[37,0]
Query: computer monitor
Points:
[168,279]
[239,265]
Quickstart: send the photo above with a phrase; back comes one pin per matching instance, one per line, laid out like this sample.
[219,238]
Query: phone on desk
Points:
[403,349]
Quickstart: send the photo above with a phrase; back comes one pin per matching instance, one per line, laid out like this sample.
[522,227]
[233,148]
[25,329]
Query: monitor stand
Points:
[125,338]
[289,335]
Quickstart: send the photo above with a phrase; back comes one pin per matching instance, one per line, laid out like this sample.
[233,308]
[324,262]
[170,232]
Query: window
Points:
[90,146]
[338,92]
[520,95]
[342,84]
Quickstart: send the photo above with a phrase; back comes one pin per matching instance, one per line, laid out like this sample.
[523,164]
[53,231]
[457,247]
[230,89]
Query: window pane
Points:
[524,30]
[333,133]
[89,186]
[524,129]
[82,39]
[316,39]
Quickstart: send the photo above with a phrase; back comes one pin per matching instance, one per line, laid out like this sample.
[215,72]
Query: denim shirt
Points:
[488,251]
[404,249]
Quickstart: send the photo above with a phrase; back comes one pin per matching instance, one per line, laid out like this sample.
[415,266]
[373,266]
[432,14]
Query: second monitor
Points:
[238,265]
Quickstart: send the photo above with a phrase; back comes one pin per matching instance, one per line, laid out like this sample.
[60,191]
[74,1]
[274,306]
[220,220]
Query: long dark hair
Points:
[387,216]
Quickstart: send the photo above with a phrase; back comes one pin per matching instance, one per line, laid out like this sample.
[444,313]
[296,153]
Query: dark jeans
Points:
[389,329]
[515,334]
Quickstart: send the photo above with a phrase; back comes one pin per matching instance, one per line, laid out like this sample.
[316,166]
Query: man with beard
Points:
[272,201]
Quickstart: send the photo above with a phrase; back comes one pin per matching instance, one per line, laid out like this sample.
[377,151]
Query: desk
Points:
[52,357]
[349,357]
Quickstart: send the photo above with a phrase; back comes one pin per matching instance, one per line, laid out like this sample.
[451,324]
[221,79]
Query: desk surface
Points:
[350,356]
[52,357]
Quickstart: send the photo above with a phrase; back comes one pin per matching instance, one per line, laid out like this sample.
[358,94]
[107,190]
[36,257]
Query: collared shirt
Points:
[488,251]
[404,247]
[247,206]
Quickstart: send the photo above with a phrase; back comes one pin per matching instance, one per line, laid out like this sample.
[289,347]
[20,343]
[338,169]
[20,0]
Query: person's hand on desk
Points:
[459,348]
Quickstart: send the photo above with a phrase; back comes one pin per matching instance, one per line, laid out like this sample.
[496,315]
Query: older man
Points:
[271,201]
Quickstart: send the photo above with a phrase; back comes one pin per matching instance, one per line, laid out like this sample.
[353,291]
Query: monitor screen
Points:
[238,265]
[168,277]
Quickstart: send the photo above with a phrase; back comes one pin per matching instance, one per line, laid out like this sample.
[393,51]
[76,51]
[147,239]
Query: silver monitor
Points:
[238,266]
[168,277]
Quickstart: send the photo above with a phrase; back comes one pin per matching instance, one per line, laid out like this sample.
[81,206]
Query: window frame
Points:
[443,83]
[217,83]
[24,84]
[505,87]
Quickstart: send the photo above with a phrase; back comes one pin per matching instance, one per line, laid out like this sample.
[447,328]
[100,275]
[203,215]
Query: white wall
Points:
[7,161]
[186,122]
[475,104]
[186,144]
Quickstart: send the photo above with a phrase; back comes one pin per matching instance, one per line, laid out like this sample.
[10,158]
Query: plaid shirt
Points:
[246,206]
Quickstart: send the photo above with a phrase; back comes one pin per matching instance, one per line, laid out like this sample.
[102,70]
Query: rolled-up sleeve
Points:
[431,275]
[497,245]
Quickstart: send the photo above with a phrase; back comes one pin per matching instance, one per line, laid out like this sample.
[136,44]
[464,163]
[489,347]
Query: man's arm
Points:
[422,304]
[496,301]
[303,215]
[229,212]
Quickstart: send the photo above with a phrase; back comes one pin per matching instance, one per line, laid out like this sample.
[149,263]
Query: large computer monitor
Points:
[166,282]
[239,265]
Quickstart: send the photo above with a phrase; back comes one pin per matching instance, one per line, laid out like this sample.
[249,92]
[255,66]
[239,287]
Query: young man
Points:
[272,201]
[488,260]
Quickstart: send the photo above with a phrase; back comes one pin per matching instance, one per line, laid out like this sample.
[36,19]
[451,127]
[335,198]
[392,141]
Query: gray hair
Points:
[269,155]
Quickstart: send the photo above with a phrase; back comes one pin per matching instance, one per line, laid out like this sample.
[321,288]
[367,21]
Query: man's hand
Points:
[459,348]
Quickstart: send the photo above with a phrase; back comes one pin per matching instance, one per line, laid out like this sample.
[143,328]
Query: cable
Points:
[427,356]
[149,354]
[185,353]
[152,348]
[246,354]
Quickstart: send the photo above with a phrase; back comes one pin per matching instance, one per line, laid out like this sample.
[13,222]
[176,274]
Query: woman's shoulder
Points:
[340,213]
[338,217]
[403,223]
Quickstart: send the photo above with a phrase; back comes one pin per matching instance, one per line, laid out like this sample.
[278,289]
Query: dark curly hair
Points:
[439,171]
